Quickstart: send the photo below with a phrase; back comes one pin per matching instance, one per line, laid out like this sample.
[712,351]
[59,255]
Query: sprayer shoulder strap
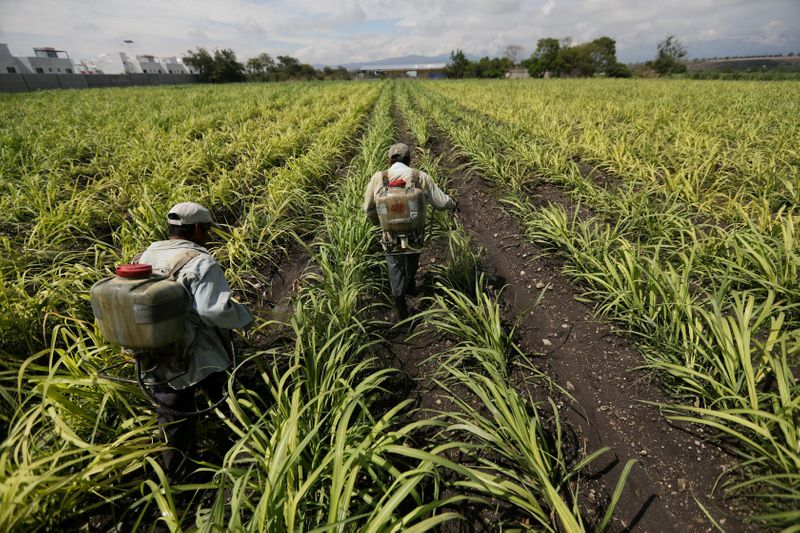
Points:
[414,178]
[181,262]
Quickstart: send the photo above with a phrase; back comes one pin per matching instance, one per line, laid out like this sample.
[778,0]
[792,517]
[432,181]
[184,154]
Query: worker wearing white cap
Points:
[211,314]
[403,266]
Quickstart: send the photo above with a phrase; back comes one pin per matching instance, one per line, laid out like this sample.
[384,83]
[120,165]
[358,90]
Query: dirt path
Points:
[409,353]
[596,366]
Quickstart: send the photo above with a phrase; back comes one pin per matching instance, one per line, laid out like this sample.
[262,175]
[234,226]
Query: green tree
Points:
[221,67]
[603,51]
[288,65]
[339,73]
[495,67]
[546,58]
[562,58]
[260,66]
[201,60]
[458,64]
[670,57]
[577,61]
[226,68]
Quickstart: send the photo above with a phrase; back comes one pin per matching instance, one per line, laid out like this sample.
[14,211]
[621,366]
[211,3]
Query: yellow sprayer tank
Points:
[401,209]
[138,310]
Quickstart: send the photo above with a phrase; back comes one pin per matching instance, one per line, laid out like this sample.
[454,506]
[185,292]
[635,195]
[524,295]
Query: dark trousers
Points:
[402,269]
[180,431]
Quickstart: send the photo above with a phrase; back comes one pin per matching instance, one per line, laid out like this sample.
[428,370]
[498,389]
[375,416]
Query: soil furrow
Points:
[410,355]
[597,367]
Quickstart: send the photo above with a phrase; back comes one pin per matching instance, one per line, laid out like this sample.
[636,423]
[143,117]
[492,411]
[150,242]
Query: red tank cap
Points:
[134,271]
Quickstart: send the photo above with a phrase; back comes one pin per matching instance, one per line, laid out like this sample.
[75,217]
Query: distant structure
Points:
[50,61]
[122,63]
[87,67]
[517,74]
[50,68]
[427,70]
[177,66]
[150,65]
[45,60]
[10,64]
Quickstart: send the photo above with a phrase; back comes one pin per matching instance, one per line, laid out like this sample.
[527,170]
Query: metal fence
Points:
[20,83]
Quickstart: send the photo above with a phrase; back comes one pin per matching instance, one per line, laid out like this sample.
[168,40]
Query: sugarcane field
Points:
[590,319]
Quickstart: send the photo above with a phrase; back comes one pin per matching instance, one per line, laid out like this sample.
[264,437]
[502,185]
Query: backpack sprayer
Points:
[401,213]
[144,313]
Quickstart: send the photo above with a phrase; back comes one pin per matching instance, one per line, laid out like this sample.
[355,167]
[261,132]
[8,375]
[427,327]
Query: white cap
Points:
[188,213]
[399,150]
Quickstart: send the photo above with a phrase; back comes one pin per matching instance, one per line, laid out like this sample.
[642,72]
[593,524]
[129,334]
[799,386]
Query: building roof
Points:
[418,66]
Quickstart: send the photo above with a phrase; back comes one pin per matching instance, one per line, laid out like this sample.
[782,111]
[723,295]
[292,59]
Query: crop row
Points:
[319,437]
[703,272]
[77,208]
[726,151]
[66,434]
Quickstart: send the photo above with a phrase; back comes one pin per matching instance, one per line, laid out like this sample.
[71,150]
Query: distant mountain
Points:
[404,60]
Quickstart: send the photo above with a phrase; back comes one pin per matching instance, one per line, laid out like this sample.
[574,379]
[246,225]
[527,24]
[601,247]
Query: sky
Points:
[353,31]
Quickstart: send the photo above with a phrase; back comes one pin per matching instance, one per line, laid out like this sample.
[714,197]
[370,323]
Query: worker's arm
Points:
[369,202]
[435,195]
[214,302]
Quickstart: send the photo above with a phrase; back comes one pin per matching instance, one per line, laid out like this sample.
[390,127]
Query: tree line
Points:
[561,58]
[221,66]
[552,57]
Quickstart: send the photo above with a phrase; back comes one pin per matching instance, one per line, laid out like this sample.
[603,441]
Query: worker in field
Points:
[396,200]
[206,352]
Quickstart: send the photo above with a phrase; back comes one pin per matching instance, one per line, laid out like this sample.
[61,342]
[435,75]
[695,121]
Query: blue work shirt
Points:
[210,305]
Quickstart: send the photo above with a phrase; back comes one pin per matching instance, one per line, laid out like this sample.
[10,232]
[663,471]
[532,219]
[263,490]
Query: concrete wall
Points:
[139,79]
[13,83]
[73,81]
[98,80]
[39,82]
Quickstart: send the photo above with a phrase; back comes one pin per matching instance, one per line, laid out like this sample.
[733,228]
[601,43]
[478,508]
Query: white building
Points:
[518,74]
[50,61]
[151,65]
[10,64]
[177,66]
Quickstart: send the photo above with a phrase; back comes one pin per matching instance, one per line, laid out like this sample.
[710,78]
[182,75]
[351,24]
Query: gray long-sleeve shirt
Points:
[210,306]
[433,194]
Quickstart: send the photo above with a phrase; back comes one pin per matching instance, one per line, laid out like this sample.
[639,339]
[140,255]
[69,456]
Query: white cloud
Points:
[362,30]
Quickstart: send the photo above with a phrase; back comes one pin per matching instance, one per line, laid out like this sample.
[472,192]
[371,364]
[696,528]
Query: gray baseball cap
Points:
[188,213]
[399,150]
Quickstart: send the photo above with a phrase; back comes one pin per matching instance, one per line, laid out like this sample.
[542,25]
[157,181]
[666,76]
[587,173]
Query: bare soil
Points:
[612,401]
[595,365]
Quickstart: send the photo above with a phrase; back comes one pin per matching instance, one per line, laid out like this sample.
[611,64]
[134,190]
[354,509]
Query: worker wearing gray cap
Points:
[211,314]
[403,266]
